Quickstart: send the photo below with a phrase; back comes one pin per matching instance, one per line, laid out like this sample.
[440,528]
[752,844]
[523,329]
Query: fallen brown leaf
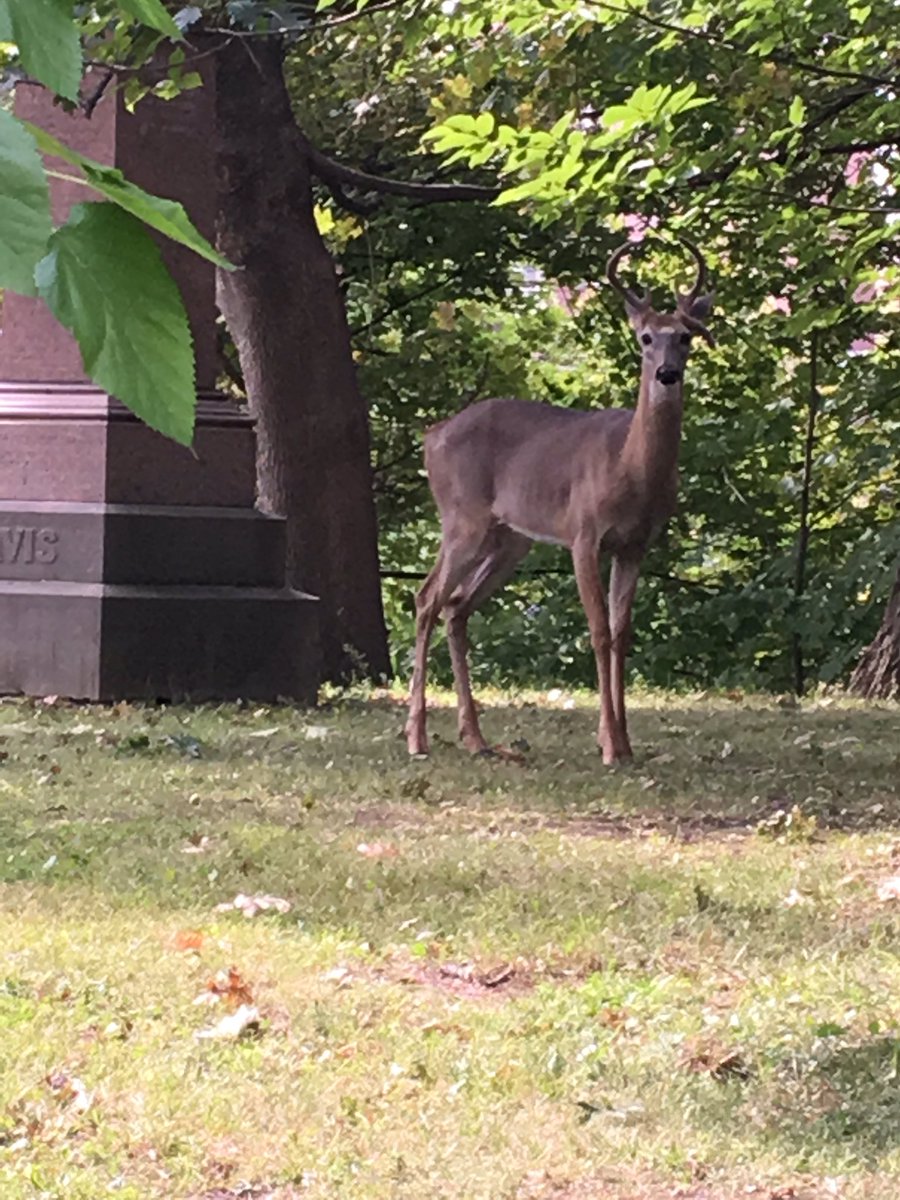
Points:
[227,987]
[499,975]
[188,939]
[711,1058]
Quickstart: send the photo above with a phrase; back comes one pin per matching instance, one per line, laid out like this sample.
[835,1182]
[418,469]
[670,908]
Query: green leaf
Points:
[166,216]
[484,124]
[104,280]
[797,111]
[48,42]
[151,13]
[523,191]
[562,125]
[25,224]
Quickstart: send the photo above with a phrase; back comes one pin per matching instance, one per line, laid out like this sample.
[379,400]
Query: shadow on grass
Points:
[847,1096]
[699,768]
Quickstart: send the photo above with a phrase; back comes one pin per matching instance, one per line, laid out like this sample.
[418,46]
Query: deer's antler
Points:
[631,298]
[685,301]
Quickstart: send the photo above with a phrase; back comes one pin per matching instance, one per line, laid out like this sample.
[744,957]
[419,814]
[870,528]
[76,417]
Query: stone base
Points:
[150,602]
[94,641]
[144,544]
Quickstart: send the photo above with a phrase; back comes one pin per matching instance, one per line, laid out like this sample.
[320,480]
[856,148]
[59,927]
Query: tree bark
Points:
[877,674]
[286,314]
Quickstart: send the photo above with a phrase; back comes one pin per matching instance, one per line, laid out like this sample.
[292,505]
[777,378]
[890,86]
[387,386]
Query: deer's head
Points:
[666,338]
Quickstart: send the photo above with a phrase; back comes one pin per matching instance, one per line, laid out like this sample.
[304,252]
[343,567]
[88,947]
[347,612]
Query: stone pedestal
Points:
[130,567]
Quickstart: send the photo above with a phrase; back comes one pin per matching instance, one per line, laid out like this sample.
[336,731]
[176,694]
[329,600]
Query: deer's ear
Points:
[700,308]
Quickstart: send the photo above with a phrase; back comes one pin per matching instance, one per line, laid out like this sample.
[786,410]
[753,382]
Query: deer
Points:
[506,473]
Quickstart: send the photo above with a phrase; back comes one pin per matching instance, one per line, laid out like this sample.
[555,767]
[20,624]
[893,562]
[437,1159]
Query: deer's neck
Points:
[651,449]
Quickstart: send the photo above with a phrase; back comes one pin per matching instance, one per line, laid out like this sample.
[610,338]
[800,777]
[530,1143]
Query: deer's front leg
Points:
[590,589]
[622,584]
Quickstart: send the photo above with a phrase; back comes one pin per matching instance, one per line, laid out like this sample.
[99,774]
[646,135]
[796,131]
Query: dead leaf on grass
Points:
[497,976]
[462,971]
[71,1090]
[720,1062]
[227,987]
[197,844]
[612,1018]
[377,850]
[889,889]
[339,975]
[251,905]
[188,939]
[244,1021]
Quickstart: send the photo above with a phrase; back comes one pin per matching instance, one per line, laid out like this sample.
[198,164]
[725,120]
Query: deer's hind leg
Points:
[461,549]
[503,551]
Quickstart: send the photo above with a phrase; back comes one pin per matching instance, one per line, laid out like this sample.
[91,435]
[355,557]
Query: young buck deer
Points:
[507,473]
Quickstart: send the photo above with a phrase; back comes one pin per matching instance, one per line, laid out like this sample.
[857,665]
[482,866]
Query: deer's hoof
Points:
[614,756]
[416,744]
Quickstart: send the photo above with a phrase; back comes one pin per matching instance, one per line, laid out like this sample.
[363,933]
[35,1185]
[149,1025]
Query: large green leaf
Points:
[25,224]
[105,280]
[48,42]
[167,216]
[152,13]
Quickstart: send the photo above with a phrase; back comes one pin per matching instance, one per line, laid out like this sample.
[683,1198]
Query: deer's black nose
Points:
[668,375]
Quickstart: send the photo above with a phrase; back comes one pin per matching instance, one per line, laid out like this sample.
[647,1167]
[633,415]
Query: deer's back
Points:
[476,455]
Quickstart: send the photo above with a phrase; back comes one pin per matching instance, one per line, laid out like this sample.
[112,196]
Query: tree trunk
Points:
[286,314]
[877,674]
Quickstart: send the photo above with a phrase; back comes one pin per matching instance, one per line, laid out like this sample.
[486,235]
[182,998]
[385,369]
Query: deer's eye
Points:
[646,339]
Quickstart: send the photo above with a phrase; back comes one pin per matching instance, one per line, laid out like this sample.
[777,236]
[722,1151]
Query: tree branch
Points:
[358,208]
[334,174]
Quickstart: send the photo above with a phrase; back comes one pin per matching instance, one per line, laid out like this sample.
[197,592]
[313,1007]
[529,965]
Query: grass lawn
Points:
[549,981]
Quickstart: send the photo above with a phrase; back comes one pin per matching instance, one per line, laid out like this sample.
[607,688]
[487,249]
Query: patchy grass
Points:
[527,982]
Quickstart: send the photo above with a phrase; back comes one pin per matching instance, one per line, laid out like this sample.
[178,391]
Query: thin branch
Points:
[803,530]
[346,18]
[782,157]
[312,26]
[158,71]
[90,102]
[334,173]
[827,205]
[406,301]
[568,573]
[777,55]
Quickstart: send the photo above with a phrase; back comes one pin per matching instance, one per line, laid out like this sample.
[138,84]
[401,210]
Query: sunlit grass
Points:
[549,980]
